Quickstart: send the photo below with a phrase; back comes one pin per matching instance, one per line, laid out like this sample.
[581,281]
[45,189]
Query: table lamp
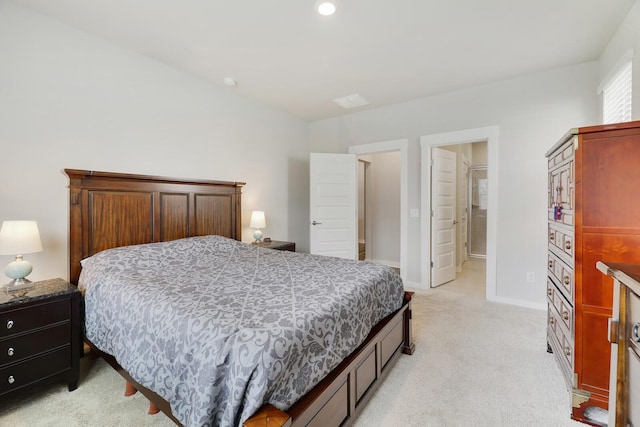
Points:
[257,221]
[19,238]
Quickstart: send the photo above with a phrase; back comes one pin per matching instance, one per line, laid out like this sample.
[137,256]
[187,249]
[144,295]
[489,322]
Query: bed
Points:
[113,214]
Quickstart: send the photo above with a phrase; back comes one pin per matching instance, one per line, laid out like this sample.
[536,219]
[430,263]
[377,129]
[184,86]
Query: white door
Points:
[443,209]
[334,205]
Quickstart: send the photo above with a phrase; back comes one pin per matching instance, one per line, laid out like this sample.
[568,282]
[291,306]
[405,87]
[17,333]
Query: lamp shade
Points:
[19,237]
[257,220]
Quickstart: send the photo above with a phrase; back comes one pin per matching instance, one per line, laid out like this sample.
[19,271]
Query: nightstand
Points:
[40,339]
[279,246]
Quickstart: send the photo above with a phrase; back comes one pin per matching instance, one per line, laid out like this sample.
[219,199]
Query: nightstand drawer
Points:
[23,346]
[28,318]
[38,368]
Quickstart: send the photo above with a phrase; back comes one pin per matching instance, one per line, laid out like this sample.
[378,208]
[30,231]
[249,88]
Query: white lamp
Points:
[19,238]
[257,222]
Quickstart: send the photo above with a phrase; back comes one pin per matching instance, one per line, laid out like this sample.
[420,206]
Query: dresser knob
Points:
[567,245]
[11,380]
[552,236]
[565,315]
[567,280]
[9,324]
[552,321]
[635,333]
[550,264]
[549,292]
[567,351]
[11,351]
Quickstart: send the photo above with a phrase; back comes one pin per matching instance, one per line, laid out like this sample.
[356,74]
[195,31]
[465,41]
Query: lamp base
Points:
[19,284]
[257,235]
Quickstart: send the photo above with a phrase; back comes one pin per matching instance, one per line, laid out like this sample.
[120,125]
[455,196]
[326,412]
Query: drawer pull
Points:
[567,280]
[9,324]
[567,351]
[565,315]
[11,380]
[10,352]
[567,245]
[550,264]
[549,292]
[635,333]
[552,236]
[552,321]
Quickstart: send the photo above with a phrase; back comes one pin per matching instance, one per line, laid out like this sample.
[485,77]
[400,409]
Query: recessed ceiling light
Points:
[326,8]
[352,101]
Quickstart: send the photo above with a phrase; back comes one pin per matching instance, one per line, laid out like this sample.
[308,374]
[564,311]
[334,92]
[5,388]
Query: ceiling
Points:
[282,53]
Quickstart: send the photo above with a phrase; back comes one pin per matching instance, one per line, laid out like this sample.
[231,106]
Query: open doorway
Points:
[379,208]
[490,136]
[363,171]
[478,193]
[466,205]
[401,148]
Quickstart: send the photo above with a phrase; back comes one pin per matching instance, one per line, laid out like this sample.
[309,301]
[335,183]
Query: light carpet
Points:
[476,363]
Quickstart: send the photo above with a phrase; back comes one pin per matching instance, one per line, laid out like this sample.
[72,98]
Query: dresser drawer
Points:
[555,337]
[561,240]
[561,154]
[561,316]
[561,185]
[562,275]
[24,373]
[23,346]
[565,340]
[35,316]
[566,316]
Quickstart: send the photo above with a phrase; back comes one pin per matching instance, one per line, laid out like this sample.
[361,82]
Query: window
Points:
[616,92]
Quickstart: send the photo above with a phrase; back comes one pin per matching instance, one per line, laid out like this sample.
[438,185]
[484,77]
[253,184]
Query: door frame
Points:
[401,145]
[489,134]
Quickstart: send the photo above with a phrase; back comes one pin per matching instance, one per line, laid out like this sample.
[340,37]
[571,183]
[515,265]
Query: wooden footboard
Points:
[340,397]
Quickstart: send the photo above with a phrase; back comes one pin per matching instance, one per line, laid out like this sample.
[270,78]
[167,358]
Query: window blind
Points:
[616,96]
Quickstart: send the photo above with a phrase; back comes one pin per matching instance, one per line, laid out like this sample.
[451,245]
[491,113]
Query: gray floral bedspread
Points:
[218,327]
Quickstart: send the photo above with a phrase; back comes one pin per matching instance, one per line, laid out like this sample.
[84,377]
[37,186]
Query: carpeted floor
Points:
[476,364]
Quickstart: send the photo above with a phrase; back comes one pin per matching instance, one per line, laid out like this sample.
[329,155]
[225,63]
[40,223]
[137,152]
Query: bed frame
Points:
[109,210]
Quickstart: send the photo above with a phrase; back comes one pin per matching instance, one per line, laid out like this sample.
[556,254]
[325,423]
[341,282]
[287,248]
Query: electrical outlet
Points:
[531,277]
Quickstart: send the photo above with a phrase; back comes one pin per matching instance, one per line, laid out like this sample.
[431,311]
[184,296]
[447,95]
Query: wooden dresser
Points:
[624,334]
[277,245]
[40,336]
[593,214]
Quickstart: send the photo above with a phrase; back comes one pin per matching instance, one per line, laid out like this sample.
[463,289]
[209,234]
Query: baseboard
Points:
[519,303]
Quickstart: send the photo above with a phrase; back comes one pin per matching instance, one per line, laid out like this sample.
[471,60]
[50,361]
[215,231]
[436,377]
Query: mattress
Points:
[218,327]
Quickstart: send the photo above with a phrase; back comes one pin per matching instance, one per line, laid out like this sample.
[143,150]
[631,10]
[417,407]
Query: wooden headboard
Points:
[108,210]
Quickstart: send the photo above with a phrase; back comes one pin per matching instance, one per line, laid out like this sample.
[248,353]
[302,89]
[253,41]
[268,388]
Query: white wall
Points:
[70,100]
[479,154]
[627,37]
[385,207]
[532,112]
